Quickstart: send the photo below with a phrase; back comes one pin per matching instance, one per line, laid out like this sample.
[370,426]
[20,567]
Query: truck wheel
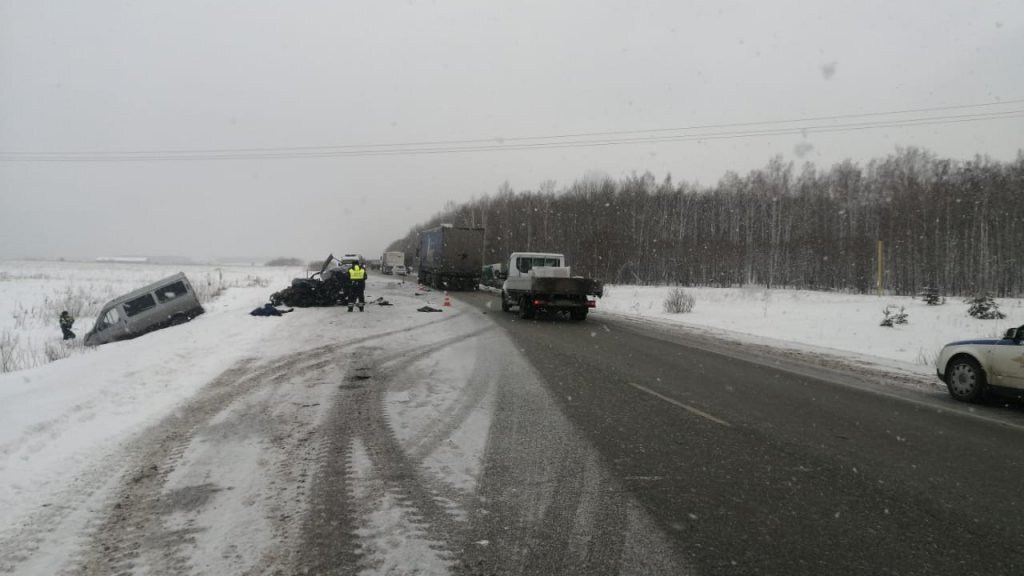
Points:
[578,314]
[504,302]
[526,310]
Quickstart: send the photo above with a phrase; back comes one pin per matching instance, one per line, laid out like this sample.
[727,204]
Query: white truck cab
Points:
[541,264]
[541,281]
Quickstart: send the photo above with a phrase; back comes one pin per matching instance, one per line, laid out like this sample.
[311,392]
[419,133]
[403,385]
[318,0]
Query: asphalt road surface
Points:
[756,463]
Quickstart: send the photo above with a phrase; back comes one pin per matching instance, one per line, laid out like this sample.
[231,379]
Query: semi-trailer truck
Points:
[450,257]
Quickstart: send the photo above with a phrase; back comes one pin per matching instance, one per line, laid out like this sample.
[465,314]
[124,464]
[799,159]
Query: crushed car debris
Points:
[323,288]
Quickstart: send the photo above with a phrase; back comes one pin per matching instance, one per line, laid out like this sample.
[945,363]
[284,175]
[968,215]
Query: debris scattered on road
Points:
[269,310]
[428,309]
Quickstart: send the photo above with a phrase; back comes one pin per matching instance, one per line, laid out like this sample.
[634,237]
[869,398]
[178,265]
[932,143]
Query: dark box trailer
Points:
[451,257]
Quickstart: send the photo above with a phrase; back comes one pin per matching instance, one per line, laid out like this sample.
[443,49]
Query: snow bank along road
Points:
[387,442]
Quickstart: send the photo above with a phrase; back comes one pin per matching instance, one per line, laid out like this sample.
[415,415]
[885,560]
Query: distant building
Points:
[124,259]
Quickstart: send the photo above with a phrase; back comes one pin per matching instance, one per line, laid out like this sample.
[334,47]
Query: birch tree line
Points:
[954,225]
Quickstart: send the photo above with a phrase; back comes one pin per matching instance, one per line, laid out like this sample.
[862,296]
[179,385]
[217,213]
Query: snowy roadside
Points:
[74,432]
[59,419]
[844,327]
[33,294]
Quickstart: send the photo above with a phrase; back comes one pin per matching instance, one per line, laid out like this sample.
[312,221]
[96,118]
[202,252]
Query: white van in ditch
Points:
[169,302]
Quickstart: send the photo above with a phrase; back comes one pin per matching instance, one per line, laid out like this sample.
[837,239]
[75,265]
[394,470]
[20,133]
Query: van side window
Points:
[171,291]
[140,304]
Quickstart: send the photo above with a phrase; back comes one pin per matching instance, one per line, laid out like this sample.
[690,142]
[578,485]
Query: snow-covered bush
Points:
[931,296]
[75,300]
[59,349]
[679,302]
[925,357]
[892,317]
[984,307]
[8,351]
[20,315]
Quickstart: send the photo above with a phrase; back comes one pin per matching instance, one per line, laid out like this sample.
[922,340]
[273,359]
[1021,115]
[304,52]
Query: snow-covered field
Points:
[33,294]
[57,418]
[67,426]
[845,325]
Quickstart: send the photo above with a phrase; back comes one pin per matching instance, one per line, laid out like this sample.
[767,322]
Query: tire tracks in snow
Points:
[543,502]
[131,482]
[358,419]
[135,534]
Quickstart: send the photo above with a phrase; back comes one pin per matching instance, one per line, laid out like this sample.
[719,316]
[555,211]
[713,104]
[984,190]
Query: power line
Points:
[533,138]
[523,143]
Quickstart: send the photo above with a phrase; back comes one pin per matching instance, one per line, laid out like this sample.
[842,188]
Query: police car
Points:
[969,367]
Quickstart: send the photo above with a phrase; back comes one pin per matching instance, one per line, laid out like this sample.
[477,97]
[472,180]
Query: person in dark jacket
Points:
[268,309]
[357,283]
[66,322]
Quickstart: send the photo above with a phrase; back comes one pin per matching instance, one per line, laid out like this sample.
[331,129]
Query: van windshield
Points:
[109,318]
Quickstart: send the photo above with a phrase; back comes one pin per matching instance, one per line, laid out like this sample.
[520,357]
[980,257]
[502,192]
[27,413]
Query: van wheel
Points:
[179,319]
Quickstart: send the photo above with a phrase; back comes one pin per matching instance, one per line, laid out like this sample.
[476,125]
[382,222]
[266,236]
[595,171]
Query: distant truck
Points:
[389,260]
[169,302]
[350,259]
[494,275]
[540,281]
[450,257]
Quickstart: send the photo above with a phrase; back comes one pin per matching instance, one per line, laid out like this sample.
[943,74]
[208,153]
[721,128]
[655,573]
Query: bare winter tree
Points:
[957,226]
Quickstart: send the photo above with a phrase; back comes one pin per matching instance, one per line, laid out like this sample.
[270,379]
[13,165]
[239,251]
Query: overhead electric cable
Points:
[522,143]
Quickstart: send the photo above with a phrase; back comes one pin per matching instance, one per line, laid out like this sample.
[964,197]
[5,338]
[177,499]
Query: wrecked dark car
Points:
[323,288]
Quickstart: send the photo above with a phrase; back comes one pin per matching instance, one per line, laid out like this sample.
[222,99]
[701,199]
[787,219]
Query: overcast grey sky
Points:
[119,78]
